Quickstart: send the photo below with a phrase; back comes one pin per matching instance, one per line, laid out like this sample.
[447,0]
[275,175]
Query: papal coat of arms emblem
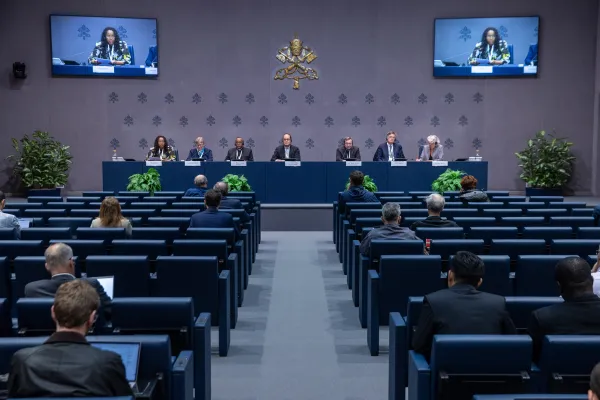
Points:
[296,54]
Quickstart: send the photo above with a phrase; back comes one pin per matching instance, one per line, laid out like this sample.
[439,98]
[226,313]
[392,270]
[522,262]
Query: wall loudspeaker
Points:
[19,70]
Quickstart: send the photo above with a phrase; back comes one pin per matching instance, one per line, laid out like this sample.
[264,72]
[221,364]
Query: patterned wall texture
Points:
[217,61]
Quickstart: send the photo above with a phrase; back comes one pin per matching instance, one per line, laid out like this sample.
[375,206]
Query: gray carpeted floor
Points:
[298,335]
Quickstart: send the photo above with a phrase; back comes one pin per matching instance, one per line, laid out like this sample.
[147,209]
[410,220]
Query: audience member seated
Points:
[469,192]
[66,365]
[8,220]
[594,392]
[60,265]
[111,217]
[435,205]
[211,217]
[579,314]
[356,193]
[596,275]
[230,204]
[391,229]
[462,309]
[201,186]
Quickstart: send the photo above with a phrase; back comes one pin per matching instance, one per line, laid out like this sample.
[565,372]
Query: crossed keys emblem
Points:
[295,55]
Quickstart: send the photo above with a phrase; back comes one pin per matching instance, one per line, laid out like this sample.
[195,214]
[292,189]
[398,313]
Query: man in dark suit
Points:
[532,55]
[152,58]
[356,192]
[579,314]
[66,365]
[211,217]
[239,152]
[201,152]
[389,150]
[435,205]
[461,309]
[228,203]
[199,189]
[347,151]
[391,229]
[286,150]
[60,265]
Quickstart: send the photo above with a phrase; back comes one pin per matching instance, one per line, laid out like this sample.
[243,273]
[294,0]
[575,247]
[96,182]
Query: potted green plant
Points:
[448,180]
[146,182]
[42,163]
[368,184]
[237,183]
[546,163]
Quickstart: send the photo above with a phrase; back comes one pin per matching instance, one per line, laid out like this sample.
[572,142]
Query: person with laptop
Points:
[348,152]
[390,150]
[9,220]
[66,365]
[286,151]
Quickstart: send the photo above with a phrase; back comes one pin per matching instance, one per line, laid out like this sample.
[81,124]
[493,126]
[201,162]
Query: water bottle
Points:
[476,152]
[114,156]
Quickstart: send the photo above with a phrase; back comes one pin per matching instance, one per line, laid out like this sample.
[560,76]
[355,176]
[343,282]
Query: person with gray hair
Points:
[60,265]
[199,152]
[228,203]
[432,150]
[199,189]
[391,229]
[435,204]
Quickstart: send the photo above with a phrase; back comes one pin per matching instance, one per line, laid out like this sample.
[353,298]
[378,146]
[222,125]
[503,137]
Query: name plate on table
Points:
[530,69]
[193,163]
[238,163]
[151,71]
[439,163]
[398,163]
[293,163]
[353,163]
[475,158]
[479,69]
[103,69]
[153,163]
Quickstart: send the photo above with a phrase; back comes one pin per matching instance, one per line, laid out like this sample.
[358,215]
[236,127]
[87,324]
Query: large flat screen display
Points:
[481,47]
[104,46]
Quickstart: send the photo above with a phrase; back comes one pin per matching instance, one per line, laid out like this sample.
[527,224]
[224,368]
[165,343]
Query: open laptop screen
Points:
[25,222]
[129,352]
[107,283]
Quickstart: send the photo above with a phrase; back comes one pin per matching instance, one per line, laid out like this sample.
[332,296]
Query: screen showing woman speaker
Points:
[486,47]
[104,46]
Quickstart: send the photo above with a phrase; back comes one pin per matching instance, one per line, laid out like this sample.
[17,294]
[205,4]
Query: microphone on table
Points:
[455,56]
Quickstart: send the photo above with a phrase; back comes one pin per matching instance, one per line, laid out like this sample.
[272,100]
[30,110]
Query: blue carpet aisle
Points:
[298,336]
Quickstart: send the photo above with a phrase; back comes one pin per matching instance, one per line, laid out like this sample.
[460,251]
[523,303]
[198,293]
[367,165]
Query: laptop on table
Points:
[130,354]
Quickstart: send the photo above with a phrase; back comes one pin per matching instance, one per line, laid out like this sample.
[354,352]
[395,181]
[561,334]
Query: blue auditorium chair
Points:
[22,206]
[16,248]
[566,362]
[582,212]
[499,213]
[8,233]
[34,317]
[141,205]
[362,223]
[358,206]
[440,233]
[486,206]
[470,222]
[44,199]
[535,396]
[199,278]
[510,199]
[568,205]
[101,194]
[162,199]
[83,199]
[178,212]
[187,205]
[144,214]
[177,194]
[453,205]
[497,275]
[520,308]
[449,247]
[353,215]
[387,291]
[454,213]
[497,193]
[43,213]
[574,222]
[138,193]
[131,273]
[411,205]
[488,233]
[415,213]
[32,268]
[90,214]
[66,206]
[70,222]
[169,222]
[548,233]
[462,365]
[13,211]
[526,205]
[125,201]
[548,212]
[516,247]
[380,247]
[139,247]
[5,279]
[84,248]
[521,222]
[547,199]
[96,206]
[187,247]
[384,193]
[46,234]
[580,247]
[534,275]
[588,233]
[106,234]
[227,234]
[395,199]
[418,195]
[166,234]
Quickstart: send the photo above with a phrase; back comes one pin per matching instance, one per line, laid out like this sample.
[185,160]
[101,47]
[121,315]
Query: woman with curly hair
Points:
[110,47]
[110,216]
[469,192]
[162,150]
[491,48]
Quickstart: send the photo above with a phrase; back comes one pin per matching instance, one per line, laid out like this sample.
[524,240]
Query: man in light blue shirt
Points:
[8,220]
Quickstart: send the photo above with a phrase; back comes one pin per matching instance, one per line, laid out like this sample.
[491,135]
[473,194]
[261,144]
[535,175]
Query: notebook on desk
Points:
[25,222]
[103,61]
[130,354]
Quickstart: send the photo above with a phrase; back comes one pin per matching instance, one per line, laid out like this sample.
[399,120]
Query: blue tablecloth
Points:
[88,70]
[500,70]
[311,182]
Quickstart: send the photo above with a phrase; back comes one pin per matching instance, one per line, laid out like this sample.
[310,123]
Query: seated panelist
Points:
[239,152]
[532,55]
[491,48]
[152,58]
[433,150]
[347,151]
[286,151]
[389,150]
[162,150]
[110,47]
[200,151]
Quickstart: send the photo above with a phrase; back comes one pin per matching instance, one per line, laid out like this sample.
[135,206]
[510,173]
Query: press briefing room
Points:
[337,199]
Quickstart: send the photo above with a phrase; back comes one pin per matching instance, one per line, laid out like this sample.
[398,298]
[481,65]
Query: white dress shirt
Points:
[596,276]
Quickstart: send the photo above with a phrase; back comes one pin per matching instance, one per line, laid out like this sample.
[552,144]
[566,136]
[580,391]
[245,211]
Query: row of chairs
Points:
[137,194]
[454,213]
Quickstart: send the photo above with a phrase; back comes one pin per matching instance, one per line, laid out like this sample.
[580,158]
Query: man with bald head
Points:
[199,189]
[199,152]
[239,152]
[60,265]
[435,205]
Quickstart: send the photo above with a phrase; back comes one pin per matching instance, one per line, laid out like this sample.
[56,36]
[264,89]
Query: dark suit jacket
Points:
[434,222]
[279,153]
[234,204]
[461,309]
[382,153]
[212,218]
[576,316]
[152,56]
[194,153]
[66,366]
[532,55]
[195,192]
[48,288]
[246,154]
[341,153]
